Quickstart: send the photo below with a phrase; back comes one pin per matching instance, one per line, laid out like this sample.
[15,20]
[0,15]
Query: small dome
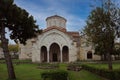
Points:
[56,20]
[54,17]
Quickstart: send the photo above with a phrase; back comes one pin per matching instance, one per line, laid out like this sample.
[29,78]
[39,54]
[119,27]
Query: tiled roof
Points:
[73,34]
[54,27]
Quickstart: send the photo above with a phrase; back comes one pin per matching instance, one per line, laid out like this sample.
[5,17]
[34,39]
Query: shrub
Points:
[55,75]
[74,67]
[112,75]
[48,66]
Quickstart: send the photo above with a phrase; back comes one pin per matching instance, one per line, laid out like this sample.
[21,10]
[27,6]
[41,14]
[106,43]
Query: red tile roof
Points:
[71,33]
[74,34]
[54,27]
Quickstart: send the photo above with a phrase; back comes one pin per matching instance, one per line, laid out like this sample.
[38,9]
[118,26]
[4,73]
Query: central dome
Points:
[57,21]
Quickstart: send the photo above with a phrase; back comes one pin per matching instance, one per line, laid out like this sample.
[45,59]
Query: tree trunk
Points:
[4,41]
[109,61]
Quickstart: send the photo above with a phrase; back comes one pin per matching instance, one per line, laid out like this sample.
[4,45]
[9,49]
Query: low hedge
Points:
[48,66]
[55,75]
[111,75]
[74,67]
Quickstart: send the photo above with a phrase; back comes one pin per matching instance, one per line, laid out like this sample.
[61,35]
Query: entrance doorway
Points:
[55,59]
[54,53]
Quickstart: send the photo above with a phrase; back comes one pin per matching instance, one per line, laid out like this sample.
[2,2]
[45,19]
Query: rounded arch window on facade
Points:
[89,55]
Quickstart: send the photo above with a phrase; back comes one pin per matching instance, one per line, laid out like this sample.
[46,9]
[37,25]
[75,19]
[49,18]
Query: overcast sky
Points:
[75,11]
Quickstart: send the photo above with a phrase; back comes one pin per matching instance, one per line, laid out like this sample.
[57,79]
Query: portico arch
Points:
[43,54]
[65,54]
[54,53]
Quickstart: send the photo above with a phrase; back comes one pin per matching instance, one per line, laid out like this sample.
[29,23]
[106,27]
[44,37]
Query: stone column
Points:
[61,56]
[48,56]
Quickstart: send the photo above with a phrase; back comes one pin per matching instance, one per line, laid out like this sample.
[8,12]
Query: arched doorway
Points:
[89,55]
[54,53]
[65,54]
[43,54]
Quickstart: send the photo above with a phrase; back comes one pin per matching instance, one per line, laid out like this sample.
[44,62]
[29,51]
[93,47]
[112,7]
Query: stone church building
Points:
[56,44]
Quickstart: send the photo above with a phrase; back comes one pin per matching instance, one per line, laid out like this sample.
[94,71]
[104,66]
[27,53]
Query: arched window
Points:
[89,55]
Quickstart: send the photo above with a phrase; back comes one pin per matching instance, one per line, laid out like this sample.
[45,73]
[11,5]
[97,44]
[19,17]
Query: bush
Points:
[55,75]
[112,75]
[48,66]
[74,67]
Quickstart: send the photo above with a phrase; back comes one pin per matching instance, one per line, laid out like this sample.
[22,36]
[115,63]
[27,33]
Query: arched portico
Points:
[54,53]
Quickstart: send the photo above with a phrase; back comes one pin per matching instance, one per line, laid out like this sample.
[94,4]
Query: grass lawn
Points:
[83,75]
[31,72]
[116,66]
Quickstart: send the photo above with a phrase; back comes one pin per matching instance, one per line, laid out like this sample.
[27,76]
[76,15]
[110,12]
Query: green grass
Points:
[31,72]
[83,75]
[23,72]
[116,66]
